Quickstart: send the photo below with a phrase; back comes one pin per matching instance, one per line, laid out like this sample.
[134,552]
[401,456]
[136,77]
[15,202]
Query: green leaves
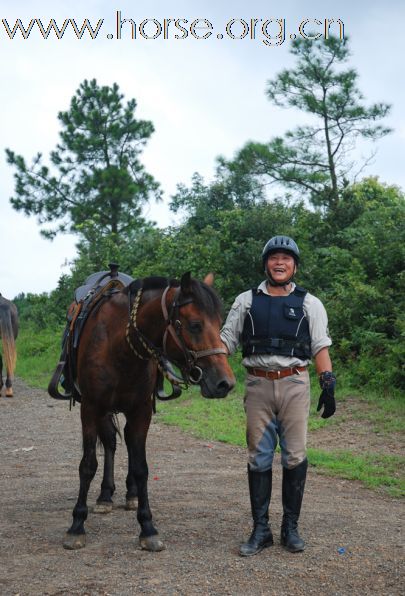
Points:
[95,169]
[314,159]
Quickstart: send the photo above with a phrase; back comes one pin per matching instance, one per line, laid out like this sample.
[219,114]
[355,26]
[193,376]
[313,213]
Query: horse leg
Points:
[75,537]
[135,433]
[107,432]
[131,498]
[9,383]
[9,380]
[8,334]
[1,374]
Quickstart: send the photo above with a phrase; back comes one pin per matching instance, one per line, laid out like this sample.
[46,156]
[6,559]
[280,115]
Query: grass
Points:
[211,419]
[224,419]
[374,471]
[37,355]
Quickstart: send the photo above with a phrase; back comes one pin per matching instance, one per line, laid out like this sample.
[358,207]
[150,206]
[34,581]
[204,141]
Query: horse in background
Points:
[8,333]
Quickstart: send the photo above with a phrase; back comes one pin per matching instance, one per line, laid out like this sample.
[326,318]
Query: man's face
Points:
[281,266]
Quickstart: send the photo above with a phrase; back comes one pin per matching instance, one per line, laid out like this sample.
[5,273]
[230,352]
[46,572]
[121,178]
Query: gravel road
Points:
[199,500]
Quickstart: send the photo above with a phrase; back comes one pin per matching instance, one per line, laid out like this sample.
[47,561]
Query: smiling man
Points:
[281,327]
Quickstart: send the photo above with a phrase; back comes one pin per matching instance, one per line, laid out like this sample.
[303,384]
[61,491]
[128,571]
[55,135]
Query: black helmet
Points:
[283,244]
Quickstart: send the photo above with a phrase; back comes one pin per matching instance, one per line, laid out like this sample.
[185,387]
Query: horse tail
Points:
[7,334]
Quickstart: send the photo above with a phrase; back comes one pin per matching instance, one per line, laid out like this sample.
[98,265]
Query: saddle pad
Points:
[97,280]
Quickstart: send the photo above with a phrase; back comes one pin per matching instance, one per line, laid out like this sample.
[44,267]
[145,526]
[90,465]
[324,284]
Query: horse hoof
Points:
[9,392]
[74,541]
[103,507]
[151,543]
[131,504]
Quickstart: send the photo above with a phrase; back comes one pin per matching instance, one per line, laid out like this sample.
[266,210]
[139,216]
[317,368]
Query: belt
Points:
[273,375]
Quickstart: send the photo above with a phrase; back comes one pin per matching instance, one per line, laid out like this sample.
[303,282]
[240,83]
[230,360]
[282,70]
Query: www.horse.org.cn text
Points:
[272,32]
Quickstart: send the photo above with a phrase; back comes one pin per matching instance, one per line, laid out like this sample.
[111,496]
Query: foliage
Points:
[39,311]
[203,203]
[314,158]
[350,263]
[96,181]
[95,253]
[361,281]
[38,353]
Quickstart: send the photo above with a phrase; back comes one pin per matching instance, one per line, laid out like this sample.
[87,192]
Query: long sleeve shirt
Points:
[314,311]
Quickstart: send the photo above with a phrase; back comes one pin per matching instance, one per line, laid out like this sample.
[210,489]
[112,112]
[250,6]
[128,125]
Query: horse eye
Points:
[195,327]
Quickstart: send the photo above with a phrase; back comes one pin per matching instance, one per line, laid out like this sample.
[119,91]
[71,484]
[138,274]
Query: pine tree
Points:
[96,181]
[314,159]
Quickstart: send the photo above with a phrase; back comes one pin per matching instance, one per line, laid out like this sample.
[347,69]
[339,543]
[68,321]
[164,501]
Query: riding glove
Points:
[327,381]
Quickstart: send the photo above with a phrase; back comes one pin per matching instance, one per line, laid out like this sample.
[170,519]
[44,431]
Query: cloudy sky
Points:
[205,97]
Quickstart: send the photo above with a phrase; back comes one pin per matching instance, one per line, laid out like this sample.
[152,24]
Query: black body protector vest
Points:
[277,325]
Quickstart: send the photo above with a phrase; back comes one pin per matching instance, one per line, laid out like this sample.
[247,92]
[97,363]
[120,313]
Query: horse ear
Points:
[185,282]
[209,279]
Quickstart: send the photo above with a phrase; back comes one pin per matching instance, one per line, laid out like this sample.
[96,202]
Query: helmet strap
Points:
[278,284]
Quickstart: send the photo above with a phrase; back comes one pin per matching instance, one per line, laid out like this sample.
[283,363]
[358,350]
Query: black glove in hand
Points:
[327,381]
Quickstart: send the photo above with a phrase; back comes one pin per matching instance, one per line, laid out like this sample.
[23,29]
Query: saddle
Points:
[88,297]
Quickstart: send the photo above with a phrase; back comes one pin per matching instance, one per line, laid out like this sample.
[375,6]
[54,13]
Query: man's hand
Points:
[327,381]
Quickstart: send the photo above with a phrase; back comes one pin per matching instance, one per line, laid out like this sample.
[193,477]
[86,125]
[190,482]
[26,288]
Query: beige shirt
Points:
[314,311]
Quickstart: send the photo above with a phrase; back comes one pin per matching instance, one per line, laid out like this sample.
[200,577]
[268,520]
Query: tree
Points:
[315,158]
[360,278]
[203,203]
[96,181]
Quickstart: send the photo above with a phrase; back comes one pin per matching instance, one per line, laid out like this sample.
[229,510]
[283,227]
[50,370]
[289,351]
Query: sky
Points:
[205,97]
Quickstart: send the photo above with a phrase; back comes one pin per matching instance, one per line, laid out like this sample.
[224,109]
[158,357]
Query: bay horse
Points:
[8,333]
[126,341]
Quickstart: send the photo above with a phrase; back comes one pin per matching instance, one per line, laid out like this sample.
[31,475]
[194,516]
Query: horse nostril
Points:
[224,387]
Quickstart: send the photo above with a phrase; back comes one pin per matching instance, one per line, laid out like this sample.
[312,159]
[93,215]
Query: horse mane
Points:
[205,297]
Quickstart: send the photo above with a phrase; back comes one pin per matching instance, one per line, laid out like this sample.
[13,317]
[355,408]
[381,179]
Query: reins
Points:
[191,373]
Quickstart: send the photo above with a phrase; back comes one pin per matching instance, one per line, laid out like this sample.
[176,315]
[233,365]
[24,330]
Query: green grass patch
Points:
[375,471]
[37,355]
[210,419]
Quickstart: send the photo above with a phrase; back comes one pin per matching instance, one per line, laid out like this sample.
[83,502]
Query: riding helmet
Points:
[281,244]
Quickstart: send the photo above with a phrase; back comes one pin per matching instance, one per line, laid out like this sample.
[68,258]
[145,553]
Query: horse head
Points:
[193,326]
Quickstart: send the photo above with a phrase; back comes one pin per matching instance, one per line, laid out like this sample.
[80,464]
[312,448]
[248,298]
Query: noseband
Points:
[191,373]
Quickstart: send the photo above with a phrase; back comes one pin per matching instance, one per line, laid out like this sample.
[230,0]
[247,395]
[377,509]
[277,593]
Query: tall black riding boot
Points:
[260,494]
[293,491]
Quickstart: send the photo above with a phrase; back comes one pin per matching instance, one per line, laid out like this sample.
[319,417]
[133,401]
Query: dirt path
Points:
[199,500]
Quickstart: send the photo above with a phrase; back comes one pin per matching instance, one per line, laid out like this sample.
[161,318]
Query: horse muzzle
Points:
[217,387]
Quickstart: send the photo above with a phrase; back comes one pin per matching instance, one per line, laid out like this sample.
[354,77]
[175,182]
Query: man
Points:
[280,327]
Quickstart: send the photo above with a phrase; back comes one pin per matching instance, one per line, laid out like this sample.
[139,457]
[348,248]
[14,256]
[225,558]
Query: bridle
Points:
[191,372]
